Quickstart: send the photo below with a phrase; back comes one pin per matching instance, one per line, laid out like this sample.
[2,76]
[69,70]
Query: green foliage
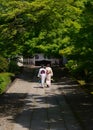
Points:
[75,68]
[13,67]
[3,64]
[61,27]
[5,79]
[79,48]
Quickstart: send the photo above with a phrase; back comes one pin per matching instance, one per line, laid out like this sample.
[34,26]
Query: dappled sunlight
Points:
[82,105]
[41,110]
[91,92]
[36,108]
[10,103]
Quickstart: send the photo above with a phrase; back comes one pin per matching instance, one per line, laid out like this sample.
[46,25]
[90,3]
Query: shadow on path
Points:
[80,102]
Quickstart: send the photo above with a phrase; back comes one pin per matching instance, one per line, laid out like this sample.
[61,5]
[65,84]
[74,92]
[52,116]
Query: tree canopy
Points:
[54,27]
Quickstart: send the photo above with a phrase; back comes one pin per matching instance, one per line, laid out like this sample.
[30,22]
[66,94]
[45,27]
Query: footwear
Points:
[47,86]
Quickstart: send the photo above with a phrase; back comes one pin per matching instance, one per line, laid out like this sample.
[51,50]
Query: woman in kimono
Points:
[42,75]
[49,74]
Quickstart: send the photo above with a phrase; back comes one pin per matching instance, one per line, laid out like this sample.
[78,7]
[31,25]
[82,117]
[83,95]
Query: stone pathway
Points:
[64,106]
[43,109]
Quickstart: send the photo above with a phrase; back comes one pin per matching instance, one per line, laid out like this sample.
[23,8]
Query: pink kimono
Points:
[49,74]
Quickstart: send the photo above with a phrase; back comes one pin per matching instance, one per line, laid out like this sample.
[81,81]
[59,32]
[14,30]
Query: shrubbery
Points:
[3,64]
[13,67]
[5,79]
[80,70]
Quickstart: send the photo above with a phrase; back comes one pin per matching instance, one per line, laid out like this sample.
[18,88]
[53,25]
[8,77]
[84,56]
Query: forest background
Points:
[53,27]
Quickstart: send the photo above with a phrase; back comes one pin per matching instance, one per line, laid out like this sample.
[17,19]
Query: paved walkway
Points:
[43,109]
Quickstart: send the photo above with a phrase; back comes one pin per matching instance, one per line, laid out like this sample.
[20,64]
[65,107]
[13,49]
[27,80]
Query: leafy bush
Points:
[13,67]
[75,69]
[3,64]
[5,79]
[80,70]
[72,66]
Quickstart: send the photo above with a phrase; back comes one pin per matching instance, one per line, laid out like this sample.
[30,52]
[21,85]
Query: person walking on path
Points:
[49,74]
[42,75]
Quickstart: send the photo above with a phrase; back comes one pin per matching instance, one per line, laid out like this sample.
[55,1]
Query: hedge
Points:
[5,79]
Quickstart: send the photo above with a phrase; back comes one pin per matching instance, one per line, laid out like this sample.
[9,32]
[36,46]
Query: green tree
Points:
[79,49]
[52,27]
[28,26]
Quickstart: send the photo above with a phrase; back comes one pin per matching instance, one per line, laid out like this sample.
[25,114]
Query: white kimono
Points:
[42,76]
